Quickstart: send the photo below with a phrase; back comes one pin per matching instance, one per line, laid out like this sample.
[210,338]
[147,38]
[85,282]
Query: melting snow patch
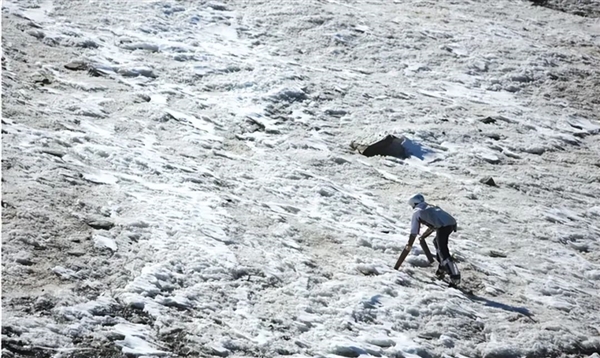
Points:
[487,155]
[135,342]
[368,270]
[133,300]
[102,306]
[218,350]
[87,109]
[494,350]
[594,211]
[381,341]
[561,215]
[100,178]
[195,122]
[103,242]
[141,46]
[178,302]
[592,275]
[65,273]
[584,125]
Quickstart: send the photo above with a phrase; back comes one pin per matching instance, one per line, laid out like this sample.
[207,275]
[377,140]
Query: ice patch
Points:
[195,122]
[584,124]
[497,350]
[101,306]
[561,215]
[136,341]
[103,242]
[65,273]
[38,13]
[100,178]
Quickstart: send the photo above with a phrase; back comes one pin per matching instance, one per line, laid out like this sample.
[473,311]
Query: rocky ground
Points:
[585,8]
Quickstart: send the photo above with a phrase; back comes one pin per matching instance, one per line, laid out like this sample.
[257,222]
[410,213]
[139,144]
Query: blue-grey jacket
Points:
[432,216]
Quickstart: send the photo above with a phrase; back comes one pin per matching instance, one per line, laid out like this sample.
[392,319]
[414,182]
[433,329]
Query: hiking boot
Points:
[455,279]
[441,272]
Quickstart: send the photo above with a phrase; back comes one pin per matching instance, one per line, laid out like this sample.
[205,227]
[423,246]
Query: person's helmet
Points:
[415,200]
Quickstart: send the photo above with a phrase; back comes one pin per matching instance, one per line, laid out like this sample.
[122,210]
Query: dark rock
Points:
[11,331]
[494,253]
[165,117]
[290,95]
[100,224]
[488,120]
[488,181]
[217,6]
[512,88]
[136,72]
[114,336]
[42,81]
[44,303]
[582,247]
[34,24]
[522,78]
[76,253]
[326,192]
[26,261]
[421,352]
[429,335]
[171,331]
[301,344]
[348,351]
[54,152]
[99,72]
[38,34]
[340,160]
[139,224]
[87,44]
[257,125]
[336,112]
[14,347]
[77,65]
[535,149]
[170,302]
[134,236]
[388,146]
[143,97]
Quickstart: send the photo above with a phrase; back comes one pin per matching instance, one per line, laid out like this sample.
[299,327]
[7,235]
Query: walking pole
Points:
[424,245]
[408,247]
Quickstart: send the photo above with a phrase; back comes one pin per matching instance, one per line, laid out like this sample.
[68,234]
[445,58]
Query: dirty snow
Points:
[178,178]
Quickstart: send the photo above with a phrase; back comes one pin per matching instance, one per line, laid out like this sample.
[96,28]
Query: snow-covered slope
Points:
[178,178]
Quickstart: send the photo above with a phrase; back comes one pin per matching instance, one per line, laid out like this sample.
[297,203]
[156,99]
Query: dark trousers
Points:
[441,242]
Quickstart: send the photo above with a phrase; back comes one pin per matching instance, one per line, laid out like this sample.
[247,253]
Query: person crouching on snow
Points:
[444,224]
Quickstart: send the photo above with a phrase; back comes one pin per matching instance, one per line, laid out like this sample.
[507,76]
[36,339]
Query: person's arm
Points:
[427,232]
[415,225]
